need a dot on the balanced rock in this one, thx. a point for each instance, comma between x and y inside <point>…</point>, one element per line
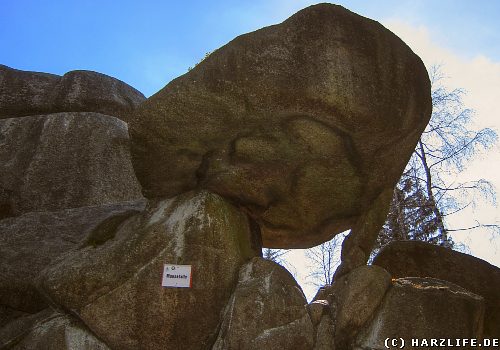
<point>420,259</point>
<point>424,309</point>
<point>302,124</point>
<point>113,283</point>
<point>266,311</point>
<point>64,160</point>
<point>30,93</point>
<point>31,242</point>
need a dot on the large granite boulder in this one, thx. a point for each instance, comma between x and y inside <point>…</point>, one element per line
<point>113,282</point>
<point>423,309</point>
<point>31,242</point>
<point>30,93</point>
<point>304,124</point>
<point>420,259</point>
<point>64,160</point>
<point>266,311</point>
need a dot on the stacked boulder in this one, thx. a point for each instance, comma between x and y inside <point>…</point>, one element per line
<point>284,137</point>
<point>65,171</point>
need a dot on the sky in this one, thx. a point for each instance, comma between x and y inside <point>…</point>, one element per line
<point>148,43</point>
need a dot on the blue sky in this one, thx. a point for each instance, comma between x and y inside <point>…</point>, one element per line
<point>148,43</point>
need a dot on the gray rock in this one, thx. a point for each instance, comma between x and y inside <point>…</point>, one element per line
<point>31,242</point>
<point>50,331</point>
<point>420,259</point>
<point>64,160</point>
<point>25,93</point>
<point>15,328</point>
<point>325,333</point>
<point>317,309</point>
<point>114,286</point>
<point>424,308</point>
<point>356,296</point>
<point>327,102</point>
<point>266,311</point>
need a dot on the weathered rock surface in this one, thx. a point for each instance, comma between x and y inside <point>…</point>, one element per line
<point>31,242</point>
<point>266,311</point>
<point>322,317</point>
<point>355,297</point>
<point>303,124</point>
<point>113,283</point>
<point>25,93</point>
<point>419,259</point>
<point>424,308</point>
<point>51,331</point>
<point>16,328</point>
<point>64,160</point>
<point>325,334</point>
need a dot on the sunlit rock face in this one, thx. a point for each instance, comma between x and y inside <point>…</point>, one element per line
<point>112,282</point>
<point>301,124</point>
<point>64,160</point>
<point>25,93</point>
<point>421,259</point>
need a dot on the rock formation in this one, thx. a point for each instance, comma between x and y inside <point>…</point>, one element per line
<point>266,311</point>
<point>306,125</point>
<point>64,160</point>
<point>25,93</point>
<point>113,282</point>
<point>419,259</point>
<point>285,136</point>
<point>424,308</point>
<point>49,330</point>
<point>31,242</point>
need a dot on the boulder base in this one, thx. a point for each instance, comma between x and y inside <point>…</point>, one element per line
<point>113,282</point>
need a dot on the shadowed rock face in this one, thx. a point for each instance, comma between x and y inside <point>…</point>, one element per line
<point>30,93</point>
<point>31,242</point>
<point>302,124</point>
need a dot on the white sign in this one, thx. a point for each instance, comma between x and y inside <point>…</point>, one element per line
<point>177,276</point>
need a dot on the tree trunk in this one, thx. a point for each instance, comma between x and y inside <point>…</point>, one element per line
<point>443,234</point>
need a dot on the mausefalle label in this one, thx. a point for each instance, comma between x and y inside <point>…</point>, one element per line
<point>177,276</point>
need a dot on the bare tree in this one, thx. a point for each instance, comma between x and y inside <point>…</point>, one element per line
<point>279,257</point>
<point>324,260</point>
<point>429,192</point>
<point>276,255</point>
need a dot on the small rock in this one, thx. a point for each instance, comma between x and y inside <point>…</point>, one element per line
<point>420,259</point>
<point>356,296</point>
<point>424,308</point>
<point>266,311</point>
<point>316,309</point>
